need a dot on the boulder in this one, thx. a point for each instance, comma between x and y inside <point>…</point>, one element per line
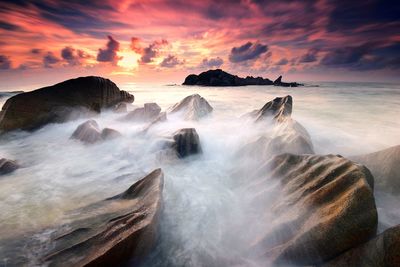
<point>324,207</point>
<point>192,107</point>
<point>278,82</point>
<point>7,166</point>
<point>112,232</point>
<point>120,108</point>
<point>383,250</point>
<point>385,166</point>
<point>186,142</point>
<point>109,133</point>
<point>149,112</point>
<point>280,109</point>
<point>87,132</point>
<point>57,103</point>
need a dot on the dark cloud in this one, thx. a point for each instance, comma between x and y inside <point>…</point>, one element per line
<point>212,63</point>
<point>36,51</point>
<point>310,56</point>
<point>5,63</point>
<point>170,61</point>
<point>109,54</point>
<point>248,51</point>
<point>151,51</point>
<point>9,26</point>
<point>283,61</point>
<point>50,59</point>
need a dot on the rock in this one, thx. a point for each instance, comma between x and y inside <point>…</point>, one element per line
<point>278,82</point>
<point>7,166</point>
<point>32,110</point>
<point>385,166</point>
<point>280,109</point>
<point>114,231</point>
<point>186,142</point>
<point>149,112</point>
<point>162,117</point>
<point>109,133</point>
<point>383,250</point>
<point>120,108</point>
<point>87,132</point>
<point>192,107</point>
<point>324,207</point>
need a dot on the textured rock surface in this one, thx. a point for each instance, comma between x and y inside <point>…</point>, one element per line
<point>383,250</point>
<point>7,166</point>
<point>325,206</point>
<point>31,110</point>
<point>280,109</point>
<point>87,132</point>
<point>114,231</point>
<point>149,112</point>
<point>385,166</point>
<point>186,142</point>
<point>192,107</point>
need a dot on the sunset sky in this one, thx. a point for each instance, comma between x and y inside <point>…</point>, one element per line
<point>43,42</point>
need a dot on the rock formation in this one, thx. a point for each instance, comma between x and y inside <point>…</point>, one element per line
<point>108,133</point>
<point>114,231</point>
<point>149,112</point>
<point>120,108</point>
<point>7,166</point>
<point>31,110</point>
<point>192,107</point>
<point>385,166</point>
<point>278,82</point>
<point>89,132</point>
<point>325,206</point>
<point>280,109</point>
<point>186,142</point>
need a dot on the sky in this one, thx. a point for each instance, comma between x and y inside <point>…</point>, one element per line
<point>157,41</point>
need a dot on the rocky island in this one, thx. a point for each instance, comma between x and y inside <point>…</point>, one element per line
<point>219,77</point>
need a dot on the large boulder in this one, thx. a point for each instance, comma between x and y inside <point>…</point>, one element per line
<point>56,103</point>
<point>385,166</point>
<point>383,250</point>
<point>324,207</point>
<point>192,107</point>
<point>114,231</point>
<point>280,109</point>
<point>89,133</point>
<point>149,112</point>
<point>7,166</point>
<point>186,142</point>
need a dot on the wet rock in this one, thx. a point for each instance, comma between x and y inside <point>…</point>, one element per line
<point>87,132</point>
<point>113,232</point>
<point>7,166</point>
<point>278,82</point>
<point>186,142</point>
<point>325,206</point>
<point>120,108</point>
<point>383,250</point>
<point>280,109</point>
<point>385,166</point>
<point>57,103</point>
<point>193,107</point>
<point>149,112</point>
<point>109,133</point>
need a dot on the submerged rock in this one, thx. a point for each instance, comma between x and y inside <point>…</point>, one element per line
<point>31,110</point>
<point>192,107</point>
<point>325,206</point>
<point>120,108</point>
<point>278,82</point>
<point>385,166</point>
<point>186,142</point>
<point>115,231</point>
<point>149,112</point>
<point>89,132</point>
<point>7,166</point>
<point>162,117</point>
<point>383,250</point>
<point>109,133</point>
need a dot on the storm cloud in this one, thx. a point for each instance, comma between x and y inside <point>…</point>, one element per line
<point>109,54</point>
<point>246,52</point>
<point>211,62</point>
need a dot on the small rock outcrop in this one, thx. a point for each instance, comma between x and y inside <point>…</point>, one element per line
<point>193,107</point>
<point>186,142</point>
<point>278,82</point>
<point>114,231</point>
<point>7,166</point>
<point>89,133</point>
<point>109,133</point>
<point>32,110</point>
<point>120,108</point>
<point>149,112</point>
<point>383,250</point>
<point>325,206</point>
<point>280,109</point>
<point>385,166</point>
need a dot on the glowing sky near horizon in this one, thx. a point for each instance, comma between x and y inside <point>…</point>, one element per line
<point>138,40</point>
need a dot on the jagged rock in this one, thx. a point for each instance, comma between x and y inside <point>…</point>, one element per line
<point>279,109</point>
<point>385,166</point>
<point>109,133</point>
<point>120,108</point>
<point>31,110</point>
<point>324,207</point>
<point>114,231</point>
<point>149,112</point>
<point>87,132</point>
<point>192,107</point>
<point>383,250</point>
<point>278,82</point>
<point>7,166</point>
<point>186,142</point>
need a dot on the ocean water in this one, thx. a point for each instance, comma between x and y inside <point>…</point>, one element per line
<point>59,175</point>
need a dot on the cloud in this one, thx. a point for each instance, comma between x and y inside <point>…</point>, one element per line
<point>246,52</point>
<point>283,61</point>
<point>109,54</point>
<point>36,51</point>
<point>345,55</point>
<point>9,26</point>
<point>170,61</point>
<point>5,63</point>
<point>136,46</point>
<point>50,59</point>
<point>211,63</point>
<point>310,56</point>
<point>151,51</point>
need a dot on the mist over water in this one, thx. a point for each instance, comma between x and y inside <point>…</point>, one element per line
<point>205,203</point>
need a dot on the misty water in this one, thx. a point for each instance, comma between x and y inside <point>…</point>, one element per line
<point>202,208</point>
